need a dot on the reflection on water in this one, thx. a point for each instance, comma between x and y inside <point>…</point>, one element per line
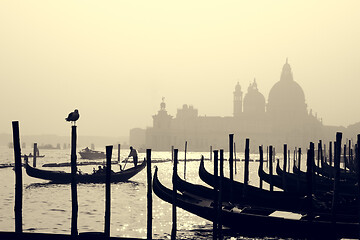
<point>47,206</point>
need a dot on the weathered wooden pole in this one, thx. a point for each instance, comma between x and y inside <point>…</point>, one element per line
<point>185,160</point>
<point>284,168</point>
<point>231,163</point>
<point>210,153</point>
<point>74,205</point>
<point>267,157</point>
<point>220,193</point>
<point>357,164</point>
<point>149,194</point>
<point>309,178</point>
<point>345,159</point>
<point>271,167</point>
<point>235,158</point>
<point>336,175</point>
<point>216,195</point>
<point>288,160</point>
<point>294,159</point>
<point>246,168</point>
<point>108,190</point>
<point>18,178</point>
<point>172,153</point>
<point>321,153</point>
<point>330,153</point>
<point>350,157</point>
<point>318,157</point>
<point>173,231</point>
<point>299,159</point>
<point>35,153</point>
<point>119,153</point>
<point>261,164</point>
<point>298,173</point>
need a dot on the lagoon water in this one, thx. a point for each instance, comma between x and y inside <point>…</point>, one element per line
<point>47,207</point>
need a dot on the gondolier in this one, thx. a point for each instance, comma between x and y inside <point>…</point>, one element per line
<point>133,153</point>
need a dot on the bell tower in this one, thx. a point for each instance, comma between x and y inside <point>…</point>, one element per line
<point>237,100</point>
<point>162,119</point>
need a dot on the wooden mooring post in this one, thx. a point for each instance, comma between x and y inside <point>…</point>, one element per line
<point>289,160</point>
<point>299,168</point>
<point>336,175</point>
<point>173,230</point>
<point>267,157</point>
<point>284,168</point>
<point>185,160</point>
<point>149,194</point>
<point>321,153</point>
<point>119,153</point>
<point>357,164</point>
<point>108,191</point>
<point>345,159</point>
<point>330,153</point>
<point>220,193</point>
<point>74,202</point>
<point>246,168</point>
<point>216,195</point>
<point>35,153</point>
<point>18,178</point>
<point>270,160</point>
<point>234,158</point>
<point>231,163</point>
<point>261,166</point>
<point>309,179</point>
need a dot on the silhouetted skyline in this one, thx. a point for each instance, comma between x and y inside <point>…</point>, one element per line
<point>115,61</point>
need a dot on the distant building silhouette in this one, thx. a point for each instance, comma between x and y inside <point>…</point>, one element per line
<point>285,118</point>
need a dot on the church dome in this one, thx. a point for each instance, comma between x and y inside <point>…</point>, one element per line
<point>254,101</point>
<point>286,96</point>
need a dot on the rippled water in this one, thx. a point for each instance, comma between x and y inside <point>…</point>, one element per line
<point>47,207</point>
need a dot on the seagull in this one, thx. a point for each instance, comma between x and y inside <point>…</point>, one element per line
<point>73,116</point>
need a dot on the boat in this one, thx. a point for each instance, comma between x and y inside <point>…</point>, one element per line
<point>96,177</point>
<point>320,171</point>
<point>328,171</point>
<point>30,156</point>
<point>293,201</point>
<point>320,184</point>
<point>87,153</point>
<point>256,225</point>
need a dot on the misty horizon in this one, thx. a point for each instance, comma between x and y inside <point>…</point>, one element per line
<point>115,61</point>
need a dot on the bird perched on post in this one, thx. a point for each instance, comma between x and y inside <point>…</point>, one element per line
<point>73,116</point>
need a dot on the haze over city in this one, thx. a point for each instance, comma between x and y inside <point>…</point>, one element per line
<point>115,60</point>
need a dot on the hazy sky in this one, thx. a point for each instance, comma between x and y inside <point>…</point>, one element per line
<point>115,60</point>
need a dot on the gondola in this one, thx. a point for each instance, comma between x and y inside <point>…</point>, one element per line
<point>268,201</point>
<point>328,171</point>
<point>238,187</point>
<point>287,201</point>
<point>97,177</point>
<point>257,225</point>
<point>320,184</point>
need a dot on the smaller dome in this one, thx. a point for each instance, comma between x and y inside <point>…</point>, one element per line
<point>254,101</point>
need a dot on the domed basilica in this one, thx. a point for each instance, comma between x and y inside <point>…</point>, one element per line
<point>283,119</point>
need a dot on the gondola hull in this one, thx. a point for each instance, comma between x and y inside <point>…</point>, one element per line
<point>63,177</point>
<point>254,224</point>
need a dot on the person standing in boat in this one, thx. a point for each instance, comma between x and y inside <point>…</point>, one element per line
<point>133,153</point>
